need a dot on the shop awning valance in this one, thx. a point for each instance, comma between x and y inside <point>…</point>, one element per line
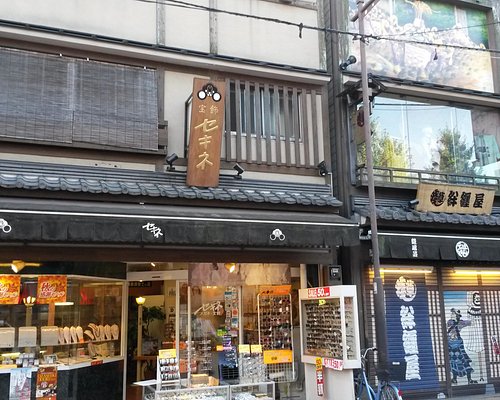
<point>420,246</point>
<point>72,222</point>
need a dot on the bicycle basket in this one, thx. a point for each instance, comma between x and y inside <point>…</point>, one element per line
<point>397,371</point>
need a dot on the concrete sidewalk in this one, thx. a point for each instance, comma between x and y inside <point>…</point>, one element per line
<point>472,397</point>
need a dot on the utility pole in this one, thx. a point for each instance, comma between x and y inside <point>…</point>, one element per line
<point>378,288</point>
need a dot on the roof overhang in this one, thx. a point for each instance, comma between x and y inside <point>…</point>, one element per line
<point>77,223</point>
<point>428,246</point>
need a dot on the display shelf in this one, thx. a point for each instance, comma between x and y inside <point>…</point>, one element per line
<point>276,332</point>
<point>329,326</point>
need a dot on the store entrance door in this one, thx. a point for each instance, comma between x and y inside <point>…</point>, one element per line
<point>152,319</point>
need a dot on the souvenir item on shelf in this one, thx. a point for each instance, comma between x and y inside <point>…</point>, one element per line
<point>115,331</point>
<point>61,335</point>
<point>79,333</point>
<point>95,331</point>
<point>102,335</point>
<point>49,335</point>
<point>107,332</point>
<point>67,334</point>
<point>27,336</point>
<point>89,334</point>
<point>72,331</point>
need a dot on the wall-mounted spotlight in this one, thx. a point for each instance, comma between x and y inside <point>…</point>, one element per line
<point>351,60</point>
<point>413,203</point>
<point>322,169</point>
<point>231,267</point>
<point>239,169</point>
<point>170,161</point>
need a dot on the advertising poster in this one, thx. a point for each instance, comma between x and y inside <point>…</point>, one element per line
<point>10,287</point>
<point>20,384</point>
<point>46,383</point>
<point>51,289</point>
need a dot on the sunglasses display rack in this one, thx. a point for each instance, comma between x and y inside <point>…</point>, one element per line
<point>167,369</point>
<point>275,332</point>
<point>329,325</point>
<point>251,365</point>
<point>202,353</point>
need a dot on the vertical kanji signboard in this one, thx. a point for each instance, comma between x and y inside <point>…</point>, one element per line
<point>207,118</point>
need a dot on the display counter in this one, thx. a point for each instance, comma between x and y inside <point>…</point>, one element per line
<point>68,325</point>
<point>246,391</point>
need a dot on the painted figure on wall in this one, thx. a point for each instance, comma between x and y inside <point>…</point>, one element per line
<point>460,362</point>
<point>475,342</point>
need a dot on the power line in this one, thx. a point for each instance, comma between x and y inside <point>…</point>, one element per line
<point>300,26</point>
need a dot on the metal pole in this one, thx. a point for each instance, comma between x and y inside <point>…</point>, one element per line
<point>378,289</point>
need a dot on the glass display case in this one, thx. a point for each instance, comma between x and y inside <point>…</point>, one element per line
<point>206,393</point>
<point>85,326</point>
<point>329,326</point>
<point>261,390</point>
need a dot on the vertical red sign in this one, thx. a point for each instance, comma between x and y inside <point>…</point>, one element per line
<point>320,385</point>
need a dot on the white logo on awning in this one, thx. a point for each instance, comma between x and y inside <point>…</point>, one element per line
<point>4,226</point>
<point>462,249</point>
<point>277,234</point>
<point>150,227</point>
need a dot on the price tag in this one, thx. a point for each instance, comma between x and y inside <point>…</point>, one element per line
<point>278,356</point>
<point>244,348</point>
<point>256,348</point>
<point>333,363</point>
<point>167,353</point>
<point>316,293</point>
<point>95,362</point>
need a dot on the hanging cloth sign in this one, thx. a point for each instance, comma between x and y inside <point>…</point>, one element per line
<point>10,288</point>
<point>51,289</point>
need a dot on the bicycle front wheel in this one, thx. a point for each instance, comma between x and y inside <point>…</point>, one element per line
<point>389,392</point>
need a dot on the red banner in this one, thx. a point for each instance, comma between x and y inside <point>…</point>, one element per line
<point>10,288</point>
<point>51,289</point>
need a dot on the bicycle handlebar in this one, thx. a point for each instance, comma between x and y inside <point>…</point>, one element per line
<point>374,349</point>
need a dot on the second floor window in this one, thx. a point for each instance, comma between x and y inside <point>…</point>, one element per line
<point>265,111</point>
<point>434,137</point>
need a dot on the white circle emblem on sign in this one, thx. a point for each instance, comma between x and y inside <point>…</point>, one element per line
<point>462,249</point>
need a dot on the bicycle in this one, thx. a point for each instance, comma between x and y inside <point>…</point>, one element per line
<point>385,389</point>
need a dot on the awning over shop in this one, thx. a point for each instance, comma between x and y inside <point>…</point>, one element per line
<point>42,221</point>
<point>420,246</point>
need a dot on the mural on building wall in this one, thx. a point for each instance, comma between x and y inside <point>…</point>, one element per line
<point>465,337</point>
<point>409,332</point>
<point>410,35</point>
